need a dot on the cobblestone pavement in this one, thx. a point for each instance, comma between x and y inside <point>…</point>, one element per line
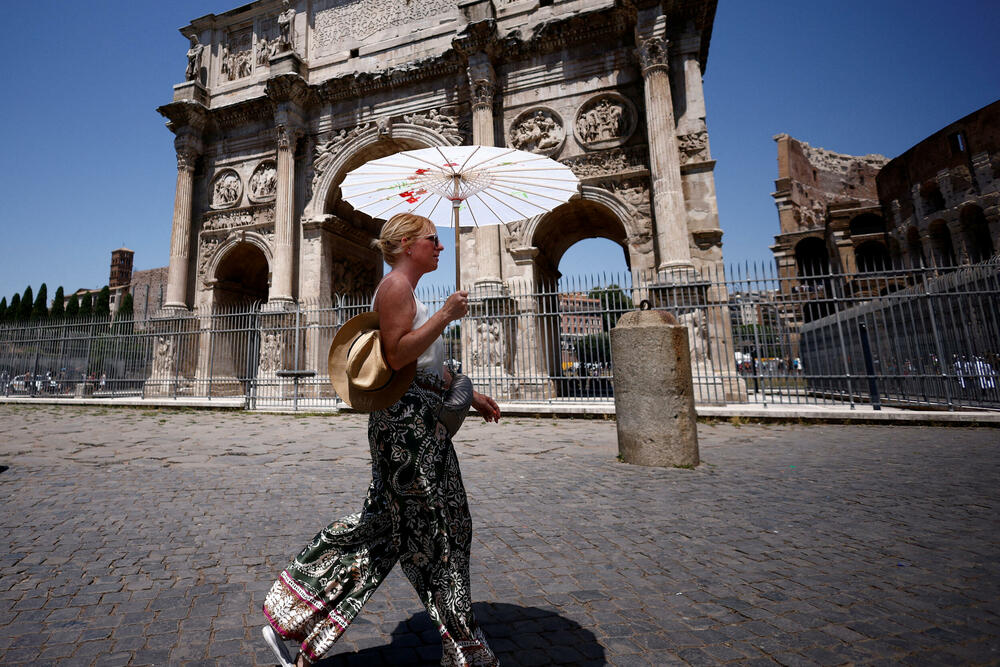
<point>150,537</point>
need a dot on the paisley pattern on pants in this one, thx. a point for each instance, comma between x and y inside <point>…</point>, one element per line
<point>415,513</point>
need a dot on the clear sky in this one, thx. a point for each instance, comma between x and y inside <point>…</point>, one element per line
<point>88,165</point>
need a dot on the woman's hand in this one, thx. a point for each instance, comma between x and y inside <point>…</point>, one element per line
<point>456,306</point>
<point>486,406</point>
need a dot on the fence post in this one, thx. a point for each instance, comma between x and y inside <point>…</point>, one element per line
<point>937,346</point>
<point>843,346</point>
<point>869,367</point>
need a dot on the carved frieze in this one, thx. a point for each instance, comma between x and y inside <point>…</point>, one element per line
<point>443,121</point>
<point>633,191</point>
<point>263,183</point>
<point>607,163</point>
<point>352,276</point>
<point>327,150</point>
<point>227,189</point>
<point>693,147</point>
<point>605,121</point>
<point>270,352</point>
<point>251,216</point>
<point>538,130</point>
<point>237,54</point>
<point>206,250</point>
<point>337,21</point>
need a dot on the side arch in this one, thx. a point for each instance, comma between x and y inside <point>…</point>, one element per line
<point>370,144</point>
<point>627,215</point>
<point>258,241</point>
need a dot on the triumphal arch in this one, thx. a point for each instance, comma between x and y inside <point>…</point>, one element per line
<point>282,99</point>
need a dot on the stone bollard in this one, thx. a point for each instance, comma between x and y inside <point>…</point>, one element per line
<point>654,397</point>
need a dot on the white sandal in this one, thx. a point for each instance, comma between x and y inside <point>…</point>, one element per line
<point>277,646</point>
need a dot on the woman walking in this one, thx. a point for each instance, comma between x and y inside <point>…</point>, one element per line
<point>416,510</point>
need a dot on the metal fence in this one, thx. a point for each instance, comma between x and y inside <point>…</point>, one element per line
<point>917,337</point>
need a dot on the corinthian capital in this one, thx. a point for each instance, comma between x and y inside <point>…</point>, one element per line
<point>653,52</point>
<point>188,148</point>
<point>287,135</point>
<point>482,81</point>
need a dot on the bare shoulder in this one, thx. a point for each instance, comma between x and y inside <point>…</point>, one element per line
<point>394,295</point>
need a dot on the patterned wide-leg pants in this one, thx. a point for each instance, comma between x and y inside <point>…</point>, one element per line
<point>415,513</point>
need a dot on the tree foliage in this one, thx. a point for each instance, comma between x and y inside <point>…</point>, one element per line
<point>102,306</point>
<point>73,306</point>
<point>58,310</point>
<point>614,303</point>
<point>594,348</point>
<point>87,305</point>
<point>40,311</point>
<point>27,303</point>
<point>3,310</point>
<point>14,310</point>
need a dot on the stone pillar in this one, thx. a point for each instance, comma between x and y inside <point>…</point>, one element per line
<point>188,149</point>
<point>654,395</point>
<point>693,119</point>
<point>670,214</point>
<point>482,82</point>
<point>282,273</point>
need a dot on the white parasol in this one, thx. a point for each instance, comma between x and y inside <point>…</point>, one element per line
<point>452,185</point>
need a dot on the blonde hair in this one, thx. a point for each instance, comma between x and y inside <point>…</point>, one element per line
<point>400,226</point>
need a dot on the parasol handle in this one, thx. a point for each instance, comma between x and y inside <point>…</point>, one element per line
<point>455,203</point>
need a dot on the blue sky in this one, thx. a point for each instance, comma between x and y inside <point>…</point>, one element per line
<point>88,165</point>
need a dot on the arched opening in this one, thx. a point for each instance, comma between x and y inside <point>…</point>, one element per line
<point>815,287</point>
<point>240,287</point>
<point>914,247</point>
<point>871,256</point>
<point>867,223</point>
<point>931,196</point>
<point>241,277</point>
<point>811,257</point>
<point>942,249</point>
<point>575,328</point>
<point>978,242</point>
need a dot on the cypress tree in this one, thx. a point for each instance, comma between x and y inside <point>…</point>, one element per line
<point>14,310</point>
<point>40,311</point>
<point>73,306</point>
<point>58,305</point>
<point>125,307</point>
<point>3,310</point>
<point>27,302</point>
<point>87,305</point>
<point>102,306</point>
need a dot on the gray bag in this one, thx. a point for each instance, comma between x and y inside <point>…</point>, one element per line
<point>457,401</point>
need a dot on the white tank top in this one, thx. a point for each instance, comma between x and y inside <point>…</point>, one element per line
<point>432,359</point>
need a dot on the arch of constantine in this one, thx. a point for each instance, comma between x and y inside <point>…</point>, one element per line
<point>282,99</point>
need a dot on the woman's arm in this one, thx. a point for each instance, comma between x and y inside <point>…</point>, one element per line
<point>402,345</point>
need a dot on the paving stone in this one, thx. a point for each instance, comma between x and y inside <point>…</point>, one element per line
<point>871,550</point>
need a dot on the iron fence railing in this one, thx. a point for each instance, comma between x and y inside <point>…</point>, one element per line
<point>915,337</point>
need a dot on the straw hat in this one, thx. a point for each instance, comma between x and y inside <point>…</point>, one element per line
<point>358,371</point>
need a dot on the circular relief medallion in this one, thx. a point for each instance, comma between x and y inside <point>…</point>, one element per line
<point>227,189</point>
<point>263,183</point>
<point>605,121</point>
<point>537,130</point>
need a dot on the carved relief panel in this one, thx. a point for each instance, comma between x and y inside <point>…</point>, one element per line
<point>237,54</point>
<point>227,189</point>
<point>605,121</point>
<point>263,183</point>
<point>537,130</point>
<point>694,147</point>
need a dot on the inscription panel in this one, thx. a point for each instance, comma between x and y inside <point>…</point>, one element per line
<point>353,21</point>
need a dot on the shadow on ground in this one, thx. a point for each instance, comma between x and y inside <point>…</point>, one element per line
<point>518,636</point>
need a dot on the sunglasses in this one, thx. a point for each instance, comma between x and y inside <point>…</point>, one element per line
<point>433,238</point>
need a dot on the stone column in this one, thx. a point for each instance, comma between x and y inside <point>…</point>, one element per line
<point>188,149</point>
<point>665,164</point>
<point>282,272</point>
<point>482,82</point>
<point>693,119</point>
